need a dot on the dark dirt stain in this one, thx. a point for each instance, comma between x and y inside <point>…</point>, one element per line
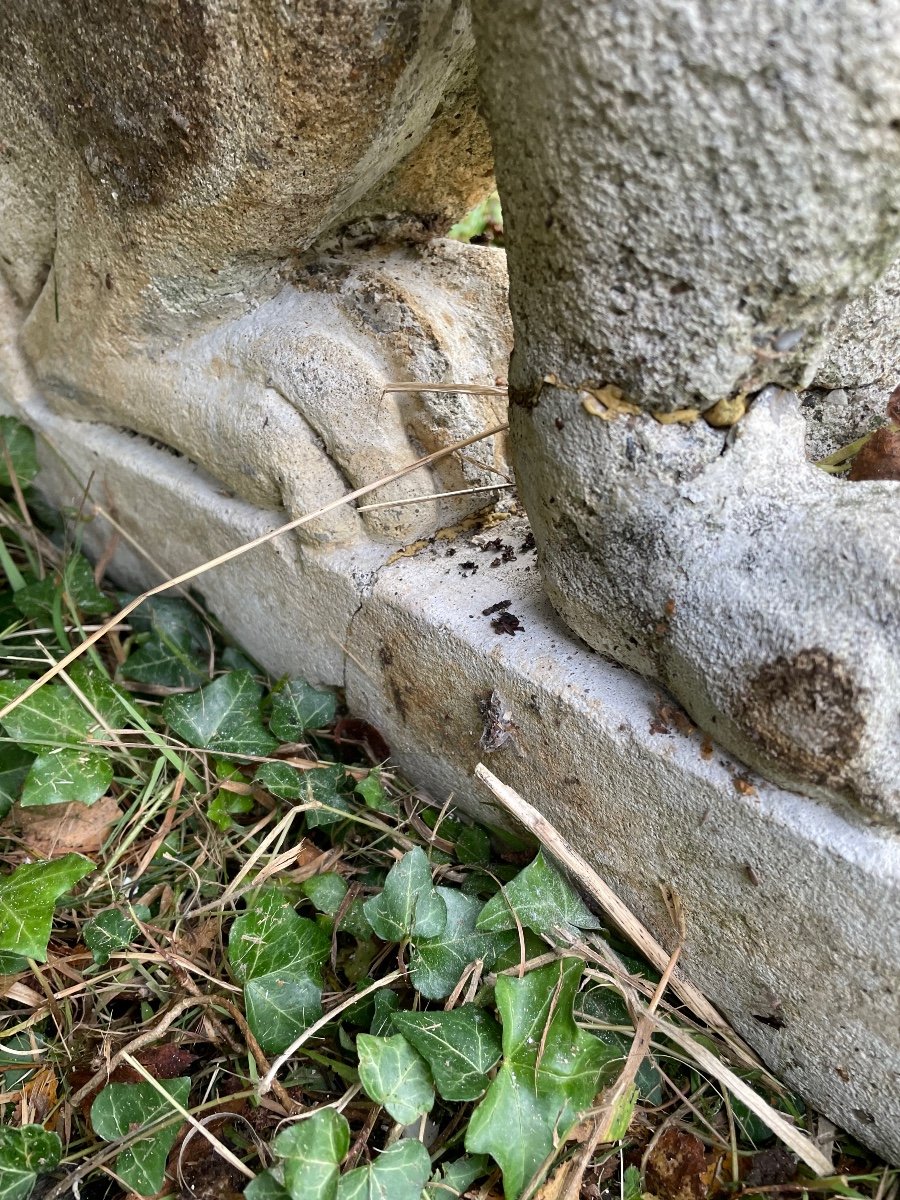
<point>804,710</point>
<point>121,84</point>
<point>771,1167</point>
<point>507,622</point>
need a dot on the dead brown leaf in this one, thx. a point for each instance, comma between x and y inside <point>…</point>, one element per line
<point>166,1060</point>
<point>194,940</point>
<point>53,830</point>
<point>677,1167</point>
<point>38,1099</point>
<point>879,457</point>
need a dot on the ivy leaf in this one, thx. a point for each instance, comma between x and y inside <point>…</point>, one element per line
<point>395,1075</point>
<point>225,805</point>
<point>549,1075</point>
<point>384,1006</point>
<point>280,1006</point>
<point>12,964</point>
<point>473,845</point>
<point>14,764</point>
<point>52,716</point>
<point>25,1153</point>
<point>266,1187</point>
<point>27,899</point>
<point>459,1046</point>
<point>436,963</point>
<point>65,775</point>
<point>110,930</point>
<point>76,579</point>
<point>100,694</point>
<point>313,1151</point>
<point>174,648</point>
<point>541,899</point>
<point>278,956</point>
<point>398,1174</point>
<point>232,659</point>
<point>408,906</point>
<point>297,707</point>
<point>19,442</point>
<point>604,1006</point>
<point>371,789</point>
<point>454,1178</point>
<point>326,891</point>
<point>319,785</point>
<point>224,715</point>
<point>272,937</point>
<point>123,1107</point>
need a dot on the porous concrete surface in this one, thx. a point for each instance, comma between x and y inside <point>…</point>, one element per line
<point>793,910</point>
<point>761,591</point>
<point>700,200</point>
<point>835,417</point>
<point>695,189</point>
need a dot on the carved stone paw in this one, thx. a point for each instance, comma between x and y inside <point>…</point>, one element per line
<point>764,593</point>
<point>285,404</point>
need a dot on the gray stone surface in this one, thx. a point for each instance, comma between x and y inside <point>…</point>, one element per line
<point>763,592</point>
<point>793,912</point>
<point>702,202</point>
<point>283,404</point>
<point>165,173</point>
<point>693,191</point>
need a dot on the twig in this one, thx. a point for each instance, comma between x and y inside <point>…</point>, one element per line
<point>469,389</point>
<point>487,487</point>
<point>618,1093</point>
<point>149,1036</point>
<point>793,1138</point>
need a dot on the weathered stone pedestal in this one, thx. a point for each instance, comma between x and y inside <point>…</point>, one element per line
<point>793,912</point>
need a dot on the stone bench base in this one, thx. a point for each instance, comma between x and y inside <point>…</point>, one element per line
<point>793,913</point>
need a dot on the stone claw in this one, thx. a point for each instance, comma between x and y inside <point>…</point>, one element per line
<point>763,592</point>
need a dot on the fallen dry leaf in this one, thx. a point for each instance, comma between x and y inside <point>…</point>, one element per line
<point>677,1168</point>
<point>38,1100</point>
<point>57,829</point>
<point>879,457</point>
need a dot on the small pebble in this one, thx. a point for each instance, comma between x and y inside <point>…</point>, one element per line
<point>788,339</point>
<point>837,398</point>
